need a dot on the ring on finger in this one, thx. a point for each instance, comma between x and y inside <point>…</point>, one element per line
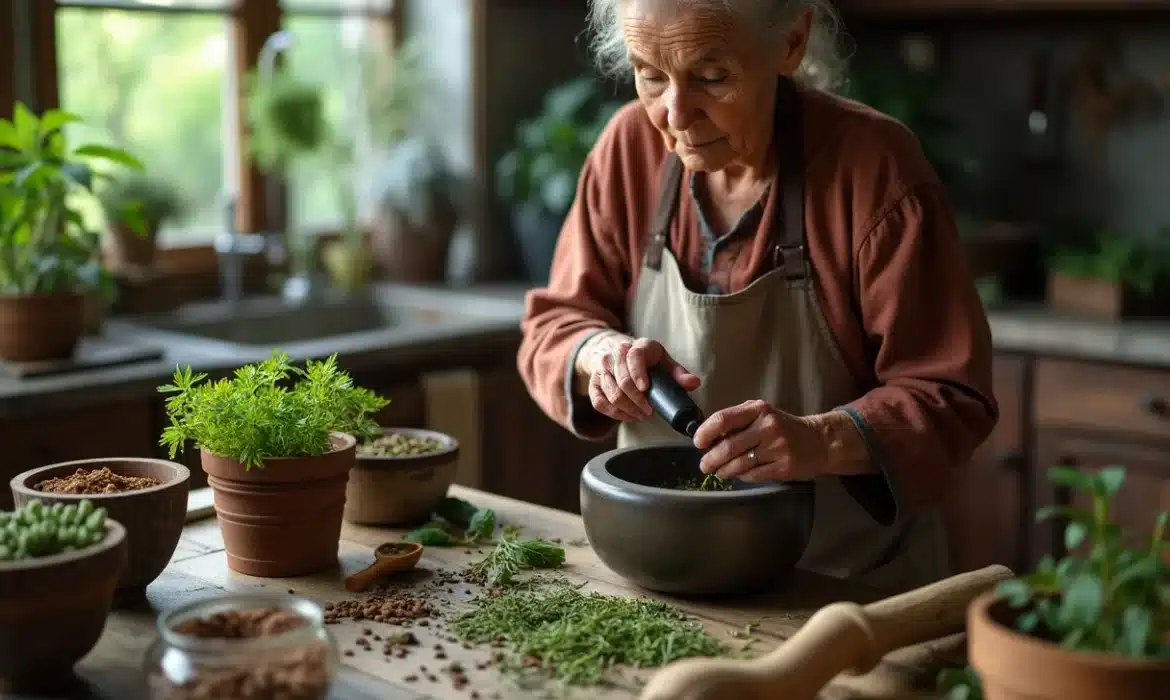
<point>752,457</point>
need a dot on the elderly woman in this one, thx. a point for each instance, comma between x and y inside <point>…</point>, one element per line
<point>791,258</point>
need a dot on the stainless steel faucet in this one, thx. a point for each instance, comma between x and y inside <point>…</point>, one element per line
<point>232,247</point>
<point>299,288</point>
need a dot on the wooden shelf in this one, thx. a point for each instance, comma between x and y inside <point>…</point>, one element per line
<point>959,9</point>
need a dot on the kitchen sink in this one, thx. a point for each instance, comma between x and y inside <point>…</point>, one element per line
<point>268,322</point>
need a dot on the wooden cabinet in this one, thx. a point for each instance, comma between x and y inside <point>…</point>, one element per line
<point>117,429</point>
<point>1093,415</point>
<point>986,504</point>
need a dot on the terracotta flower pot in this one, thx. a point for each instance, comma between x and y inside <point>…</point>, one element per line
<point>153,517</point>
<point>38,327</point>
<point>1014,666</point>
<point>125,248</point>
<point>283,519</point>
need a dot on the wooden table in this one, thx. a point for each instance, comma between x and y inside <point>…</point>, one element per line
<point>199,569</point>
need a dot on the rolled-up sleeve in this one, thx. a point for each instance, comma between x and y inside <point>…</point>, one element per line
<point>585,295</point>
<point>931,348</point>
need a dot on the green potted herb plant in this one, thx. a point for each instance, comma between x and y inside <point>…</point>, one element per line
<point>538,177</point>
<point>1092,625</point>
<point>50,258</point>
<point>277,443</point>
<point>1111,276</point>
<point>136,207</point>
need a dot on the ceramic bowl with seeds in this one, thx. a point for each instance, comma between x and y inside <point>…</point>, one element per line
<point>401,476</point>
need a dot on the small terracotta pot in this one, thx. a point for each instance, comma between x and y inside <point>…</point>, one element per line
<point>53,610</point>
<point>283,519</point>
<point>1014,666</point>
<point>396,490</point>
<point>153,517</point>
<point>38,327</point>
<point>125,248</point>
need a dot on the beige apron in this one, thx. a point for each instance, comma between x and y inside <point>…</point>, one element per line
<point>770,341</point>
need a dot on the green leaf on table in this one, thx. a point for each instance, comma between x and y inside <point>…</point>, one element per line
<point>456,511</point>
<point>482,525</point>
<point>432,537</point>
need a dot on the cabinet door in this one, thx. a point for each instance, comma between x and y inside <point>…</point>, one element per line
<point>118,429</point>
<point>1146,491</point>
<point>984,510</point>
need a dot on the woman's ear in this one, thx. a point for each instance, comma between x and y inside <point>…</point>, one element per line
<point>797,42</point>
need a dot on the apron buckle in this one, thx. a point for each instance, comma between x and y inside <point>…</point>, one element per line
<point>789,258</point>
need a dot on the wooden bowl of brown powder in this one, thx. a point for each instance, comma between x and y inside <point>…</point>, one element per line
<point>147,496</point>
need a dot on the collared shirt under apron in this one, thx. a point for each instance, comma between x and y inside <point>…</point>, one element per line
<point>769,341</point>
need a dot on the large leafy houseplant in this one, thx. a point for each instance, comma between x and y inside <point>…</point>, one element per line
<point>1111,599</point>
<point>46,246</point>
<point>538,176</point>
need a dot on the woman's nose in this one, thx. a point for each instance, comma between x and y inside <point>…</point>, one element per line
<point>679,111</point>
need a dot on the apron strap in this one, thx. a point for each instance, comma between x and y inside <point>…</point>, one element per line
<point>790,255</point>
<point>667,202</point>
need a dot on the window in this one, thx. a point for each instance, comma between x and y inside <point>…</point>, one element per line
<point>331,51</point>
<point>161,78</point>
<point>155,84</point>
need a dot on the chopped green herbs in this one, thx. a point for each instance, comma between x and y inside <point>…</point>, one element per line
<point>578,637</point>
<point>710,482</point>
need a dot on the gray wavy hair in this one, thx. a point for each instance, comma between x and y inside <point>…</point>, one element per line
<point>824,62</point>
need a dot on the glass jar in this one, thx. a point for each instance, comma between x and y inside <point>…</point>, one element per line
<point>242,647</point>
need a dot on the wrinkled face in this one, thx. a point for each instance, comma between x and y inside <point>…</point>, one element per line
<point>707,83</point>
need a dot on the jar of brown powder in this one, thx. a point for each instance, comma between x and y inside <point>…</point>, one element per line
<point>243,647</point>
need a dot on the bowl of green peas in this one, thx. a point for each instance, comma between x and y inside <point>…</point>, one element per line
<point>59,566</point>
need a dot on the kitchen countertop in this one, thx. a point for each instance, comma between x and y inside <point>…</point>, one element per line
<point>198,569</point>
<point>1018,328</point>
<point>393,346</point>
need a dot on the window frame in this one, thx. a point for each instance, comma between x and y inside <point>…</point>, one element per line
<point>251,22</point>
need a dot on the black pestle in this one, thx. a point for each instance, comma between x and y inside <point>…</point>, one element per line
<point>672,403</point>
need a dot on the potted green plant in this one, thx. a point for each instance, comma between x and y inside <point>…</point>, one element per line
<point>136,207</point>
<point>419,200</point>
<point>50,258</point>
<point>1112,276</point>
<point>277,443</point>
<point>538,177</point>
<point>1092,625</point>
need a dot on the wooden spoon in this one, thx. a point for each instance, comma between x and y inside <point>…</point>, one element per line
<point>388,558</point>
<point>841,637</point>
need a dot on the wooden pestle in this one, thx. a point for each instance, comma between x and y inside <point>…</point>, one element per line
<point>839,638</point>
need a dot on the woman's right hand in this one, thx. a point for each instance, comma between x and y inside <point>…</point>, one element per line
<point>618,377</point>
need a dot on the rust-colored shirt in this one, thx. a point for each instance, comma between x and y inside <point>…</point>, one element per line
<point>888,268</point>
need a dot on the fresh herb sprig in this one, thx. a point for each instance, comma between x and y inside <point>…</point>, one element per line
<point>255,414</point>
<point>709,482</point>
<point>579,637</point>
<point>1114,599</point>
<point>510,556</point>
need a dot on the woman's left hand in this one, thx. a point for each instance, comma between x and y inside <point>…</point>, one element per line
<point>755,442</point>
